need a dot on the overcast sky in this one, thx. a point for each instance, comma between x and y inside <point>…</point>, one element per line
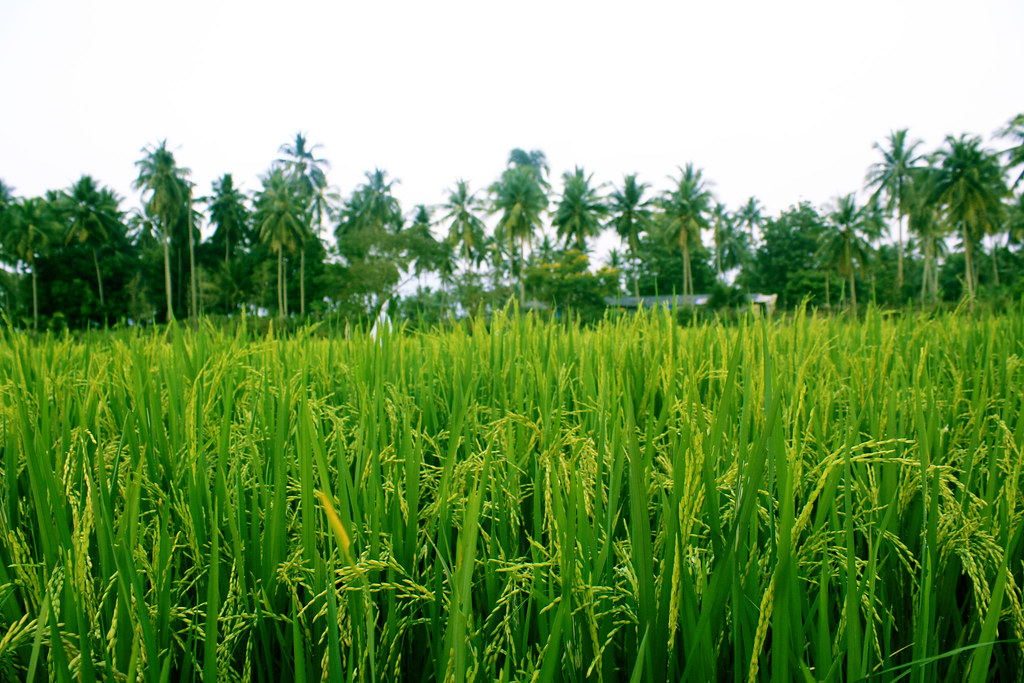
<point>782,100</point>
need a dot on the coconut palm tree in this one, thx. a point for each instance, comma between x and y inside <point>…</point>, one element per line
<point>685,210</point>
<point>535,161</point>
<point>750,217</point>
<point>29,226</point>
<point>166,196</point>
<point>580,210</point>
<point>520,199</point>
<point>465,227</point>
<point>1014,130</point>
<point>848,243</point>
<point>228,213</point>
<point>630,215</point>
<point>93,217</point>
<point>892,178</point>
<point>969,186</point>
<point>309,173</point>
<point>280,221</point>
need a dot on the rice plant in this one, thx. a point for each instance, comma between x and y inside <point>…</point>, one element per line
<point>512,499</point>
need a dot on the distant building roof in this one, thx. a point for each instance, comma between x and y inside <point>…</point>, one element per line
<point>767,300</point>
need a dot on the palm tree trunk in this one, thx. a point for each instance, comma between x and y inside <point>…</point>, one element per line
<point>192,262</point>
<point>995,265</point>
<point>99,278</point>
<point>969,271</point>
<point>687,284</point>
<point>924,272</point>
<point>167,278</point>
<point>522,281</point>
<point>302,284</point>
<point>280,284</point>
<point>853,292</point>
<point>35,295</point>
<point>899,249</point>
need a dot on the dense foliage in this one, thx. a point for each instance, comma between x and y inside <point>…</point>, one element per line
<point>931,228</point>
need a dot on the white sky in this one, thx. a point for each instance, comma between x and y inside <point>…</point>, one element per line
<point>782,100</point>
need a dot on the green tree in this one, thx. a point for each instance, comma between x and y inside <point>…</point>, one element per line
<point>891,178</point>
<point>520,199</point>
<point>370,242</point>
<point>533,161</point>
<point>93,217</point>
<point>309,173</point>
<point>580,210</point>
<point>970,187</point>
<point>166,196</point>
<point>685,210</point>
<point>630,216</point>
<point>228,213</point>
<point>787,263</point>
<point>280,222</point>
<point>29,225</point>
<point>465,227</point>
<point>749,217</point>
<point>1014,130</point>
<point>847,242</point>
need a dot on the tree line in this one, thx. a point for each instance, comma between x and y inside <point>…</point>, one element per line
<point>296,247</point>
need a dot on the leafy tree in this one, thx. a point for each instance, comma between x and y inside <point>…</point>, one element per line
<point>165,183</point>
<point>630,216</point>
<point>580,210</point>
<point>309,173</point>
<point>280,223</point>
<point>370,242</point>
<point>749,217</point>
<point>788,263</point>
<point>847,242</point>
<point>925,222</point>
<point>520,199</point>
<point>567,284</point>
<point>1014,130</point>
<point>93,217</point>
<point>465,227</point>
<point>228,213</point>
<point>685,211</point>
<point>29,226</point>
<point>731,246</point>
<point>891,178</point>
<point>969,185</point>
<point>533,161</point>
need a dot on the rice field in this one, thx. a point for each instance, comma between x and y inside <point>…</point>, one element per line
<point>809,499</point>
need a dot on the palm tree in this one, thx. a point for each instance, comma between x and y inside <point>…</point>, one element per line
<point>722,223</point>
<point>732,245</point>
<point>535,161</point>
<point>892,177</point>
<point>520,199</point>
<point>29,226</point>
<point>228,213</point>
<point>969,185</point>
<point>93,217</point>
<point>750,216</point>
<point>926,222</point>
<point>685,211</point>
<point>280,217</point>
<point>630,215</point>
<point>466,229</point>
<point>373,206</point>
<point>847,244</point>
<point>1015,155</point>
<point>168,197</point>
<point>309,173</point>
<point>580,210</point>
